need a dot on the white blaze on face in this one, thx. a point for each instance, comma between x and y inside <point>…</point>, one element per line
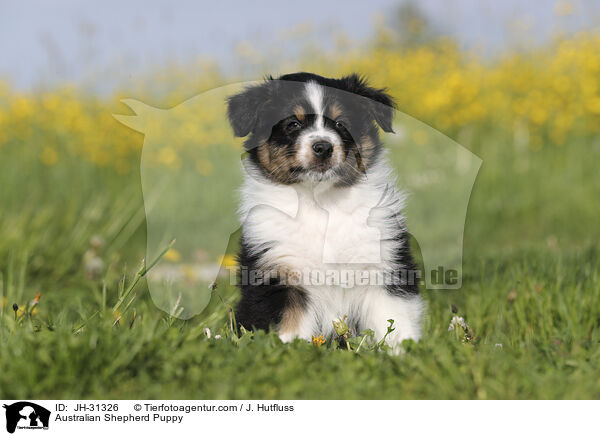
<point>314,94</point>
<point>318,132</point>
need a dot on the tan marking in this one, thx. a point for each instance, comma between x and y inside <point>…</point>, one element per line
<point>364,153</point>
<point>299,112</point>
<point>292,314</point>
<point>277,162</point>
<point>264,156</point>
<point>367,149</point>
<point>335,111</point>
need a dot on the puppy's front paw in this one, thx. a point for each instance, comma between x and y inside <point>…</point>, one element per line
<point>287,337</point>
<point>395,337</point>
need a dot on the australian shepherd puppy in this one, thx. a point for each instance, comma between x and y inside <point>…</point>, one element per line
<point>323,233</point>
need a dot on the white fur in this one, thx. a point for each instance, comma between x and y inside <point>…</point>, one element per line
<point>314,94</point>
<point>320,227</point>
<point>318,132</point>
<point>310,136</point>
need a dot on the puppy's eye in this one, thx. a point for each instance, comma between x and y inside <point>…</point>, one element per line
<point>339,124</point>
<point>293,126</point>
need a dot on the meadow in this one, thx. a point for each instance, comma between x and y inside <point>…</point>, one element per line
<point>77,321</point>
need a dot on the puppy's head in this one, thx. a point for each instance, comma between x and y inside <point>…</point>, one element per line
<point>304,127</point>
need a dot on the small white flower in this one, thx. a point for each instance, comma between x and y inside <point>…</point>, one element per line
<point>217,336</point>
<point>207,332</point>
<point>498,345</point>
<point>457,321</point>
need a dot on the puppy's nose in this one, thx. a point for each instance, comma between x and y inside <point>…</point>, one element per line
<point>322,149</point>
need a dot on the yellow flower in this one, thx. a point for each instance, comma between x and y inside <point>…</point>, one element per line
<point>22,107</point>
<point>593,105</point>
<point>318,340</point>
<point>172,255</point>
<point>168,157</point>
<point>227,260</point>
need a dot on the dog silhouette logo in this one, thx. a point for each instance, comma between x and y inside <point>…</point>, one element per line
<point>26,415</point>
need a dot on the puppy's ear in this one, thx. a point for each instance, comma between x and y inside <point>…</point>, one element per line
<point>243,108</point>
<point>381,104</point>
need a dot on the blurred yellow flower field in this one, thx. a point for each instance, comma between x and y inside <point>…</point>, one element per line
<point>552,94</point>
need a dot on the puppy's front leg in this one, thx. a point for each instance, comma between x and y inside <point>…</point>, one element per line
<point>380,306</point>
<point>296,321</point>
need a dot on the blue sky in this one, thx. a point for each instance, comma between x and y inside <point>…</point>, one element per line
<point>50,42</point>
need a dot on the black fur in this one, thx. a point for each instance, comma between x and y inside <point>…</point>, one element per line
<point>411,274</point>
<point>262,305</point>
<point>379,103</point>
<point>245,108</point>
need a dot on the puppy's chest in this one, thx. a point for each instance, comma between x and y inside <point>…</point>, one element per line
<point>319,235</point>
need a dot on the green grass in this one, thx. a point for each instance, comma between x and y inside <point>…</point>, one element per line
<point>531,284</point>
